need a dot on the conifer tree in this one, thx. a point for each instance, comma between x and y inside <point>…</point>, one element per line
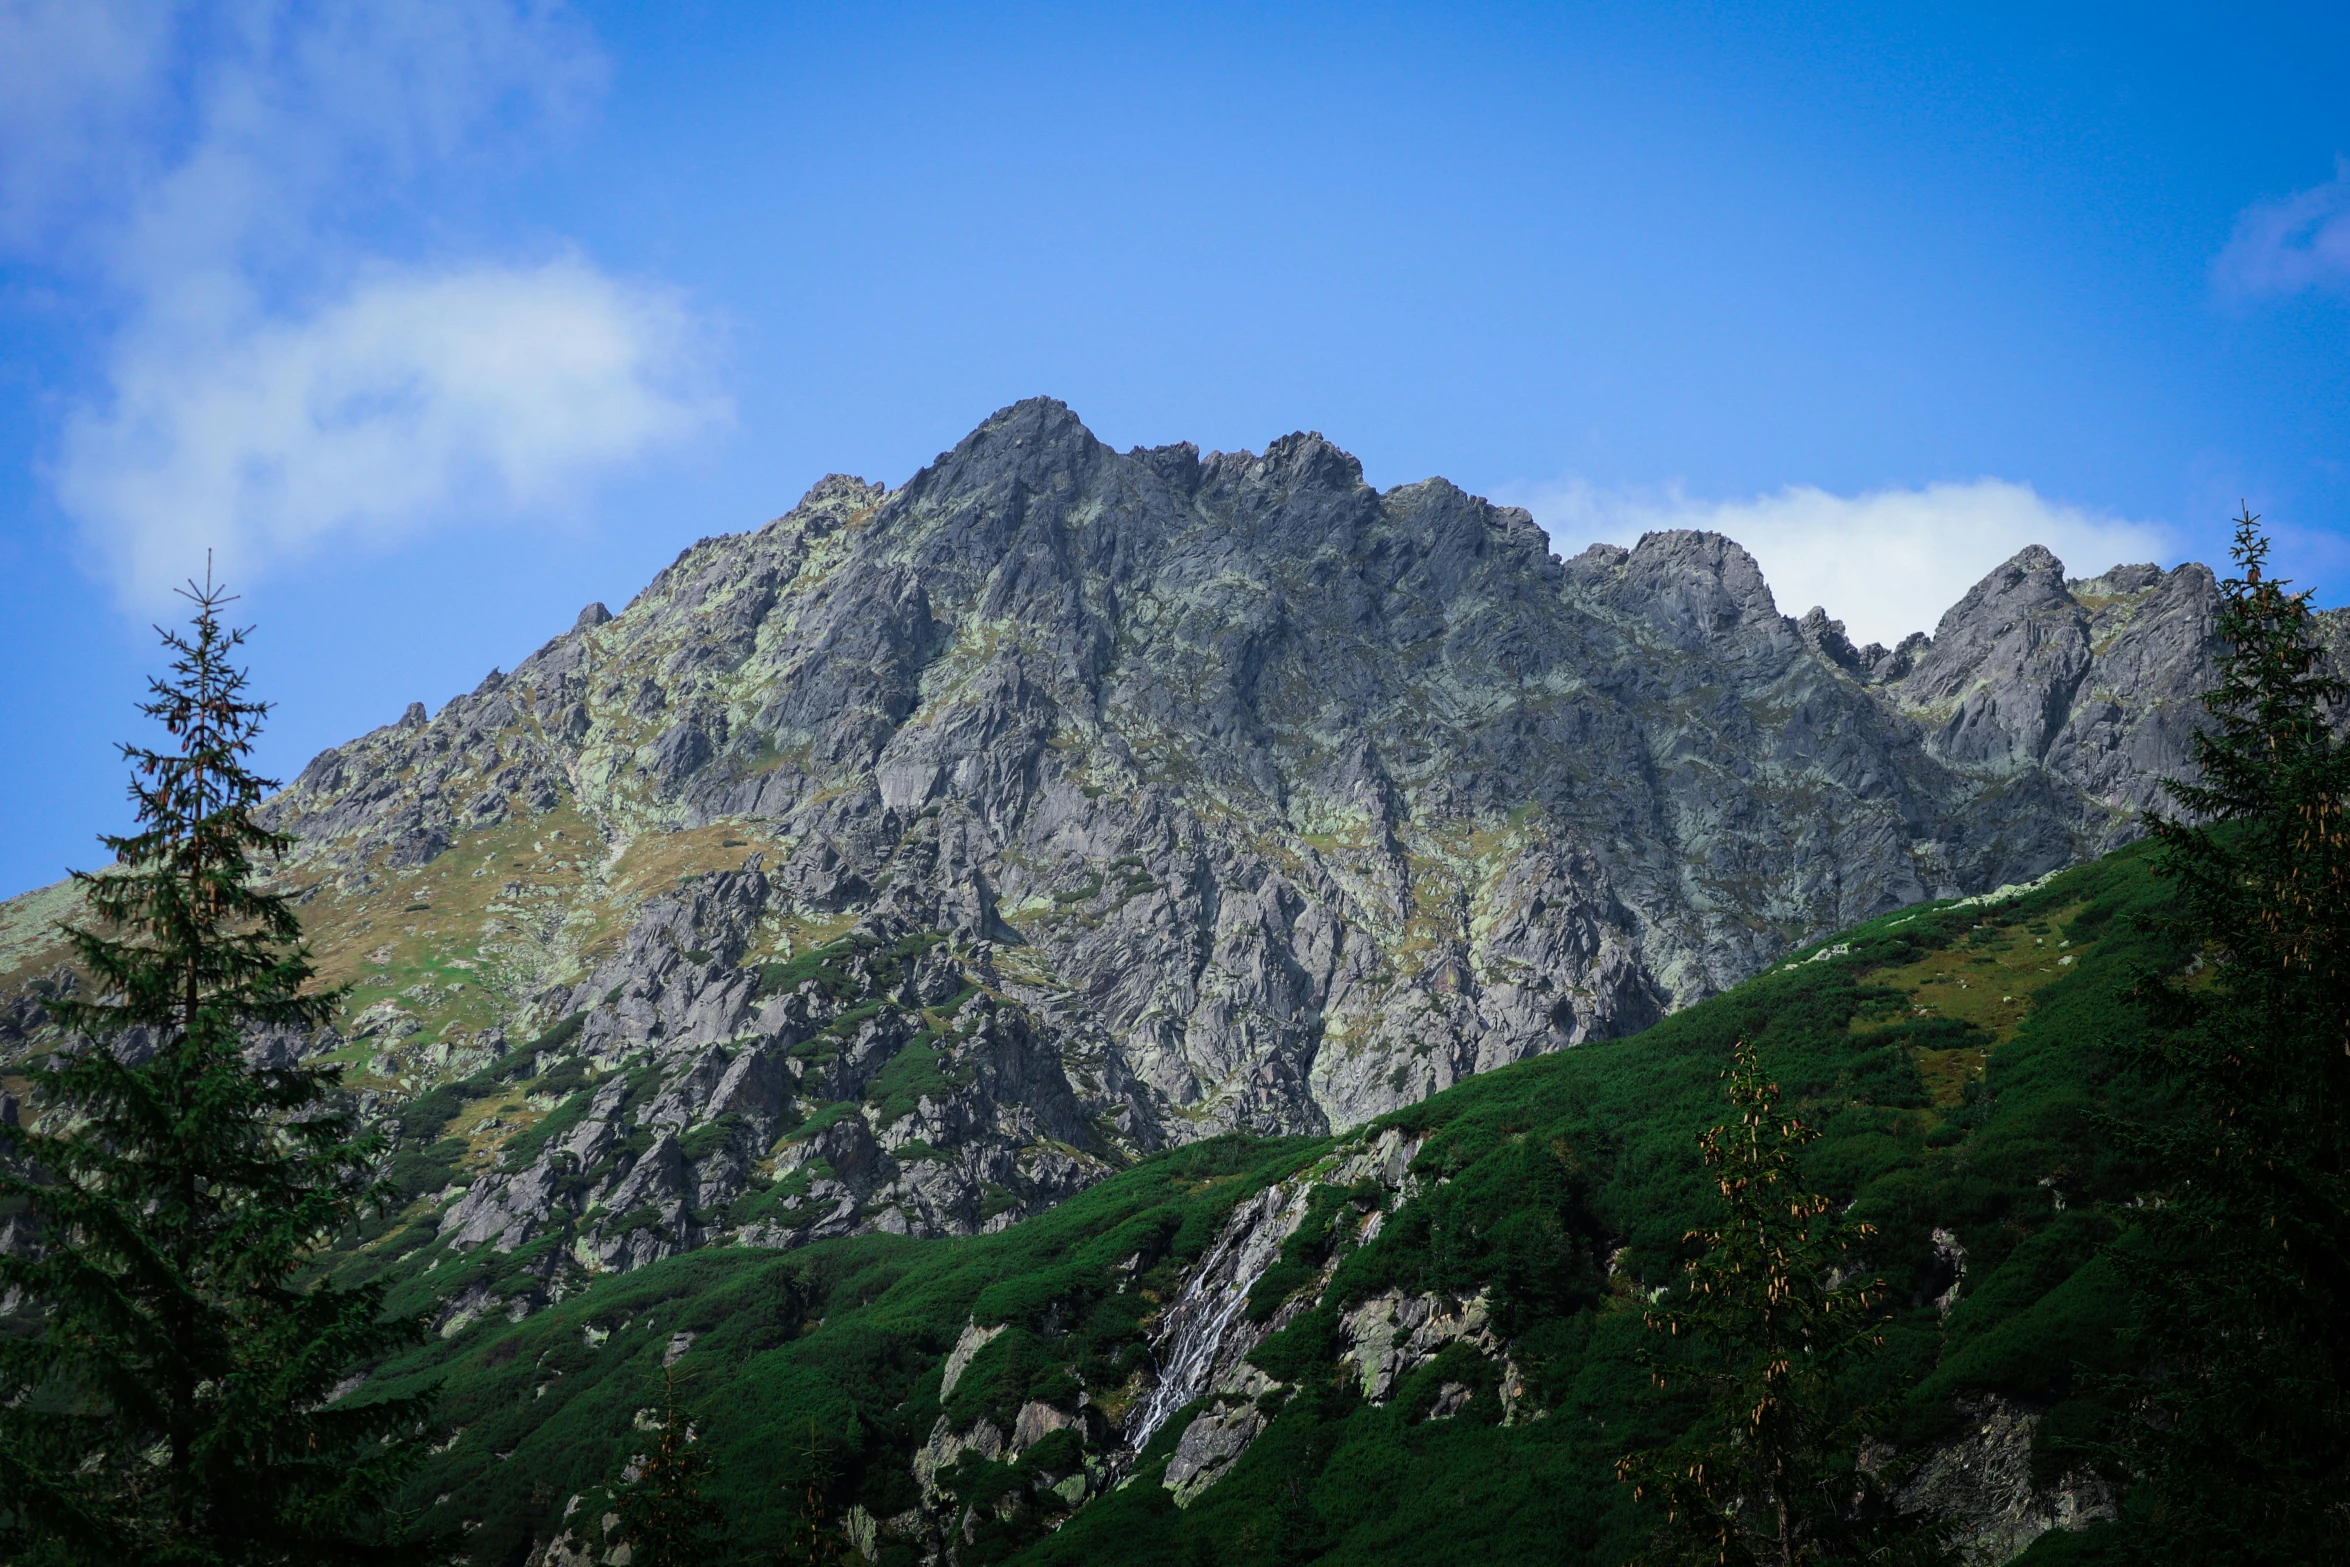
<point>2242,1269</point>
<point>171,1398</point>
<point>664,1519</point>
<point>815,1541</point>
<point>1765,1321</point>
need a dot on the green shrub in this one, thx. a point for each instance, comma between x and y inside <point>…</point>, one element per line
<point>826,965</point>
<point>908,1077</point>
<point>706,1139</point>
<point>821,1117</point>
<point>569,1075</point>
<point>419,1172</point>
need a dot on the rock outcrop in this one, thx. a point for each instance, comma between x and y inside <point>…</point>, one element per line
<point>1980,1482</point>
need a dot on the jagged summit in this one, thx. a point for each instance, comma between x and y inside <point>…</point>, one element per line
<point>947,845</point>
<point>1243,645</point>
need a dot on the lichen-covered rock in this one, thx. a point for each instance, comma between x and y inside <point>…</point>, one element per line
<point>946,1446</point>
<point>1980,1483</point>
<point>974,1338</point>
<point>1210,1445</point>
<point>1392,1334</point>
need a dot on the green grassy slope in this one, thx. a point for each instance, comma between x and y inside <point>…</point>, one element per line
<point>1958,1060</point>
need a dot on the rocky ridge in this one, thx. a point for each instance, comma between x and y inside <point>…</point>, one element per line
<point>913,860</point>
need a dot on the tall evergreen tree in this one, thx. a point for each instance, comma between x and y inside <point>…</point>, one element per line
<point>1769,1316</point>
<point>2243,1267</point>
<point>662,1516</point>
<point>171,1398</point>
<point>815,1538</point>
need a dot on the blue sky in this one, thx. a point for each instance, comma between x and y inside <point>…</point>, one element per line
<point>437,319</point>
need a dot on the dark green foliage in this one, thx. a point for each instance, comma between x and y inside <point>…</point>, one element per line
<point>560,1035</point>
<point>423,1118</point>
<point>821,1117</point>
<point>702,1141</point>
<point>826,965</point>
<point>869,1376</point>
<point>815,1536</point>
<point>907,948</point>
<point>523,1149</point>
<point>846,1025</point>
<point>1335,1479</point>
<point>1017,1365</point>
<point>662,1515</point>
<point>565,1077</point>
<point>2243,1271</point>
<point>170,1397</point>
<point>1887,1075</point>
<point>1301,1255</point>
<point>419,1172</point>
<point>1769,1322</point>
<point>907,1077</point>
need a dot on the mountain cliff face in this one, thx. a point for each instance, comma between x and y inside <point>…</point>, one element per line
<point>914,860</point>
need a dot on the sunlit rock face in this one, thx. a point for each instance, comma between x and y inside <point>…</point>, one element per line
<point>1153,794</point>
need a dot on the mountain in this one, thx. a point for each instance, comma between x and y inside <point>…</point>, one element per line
<point>1209,860</point>
<point>1421,1341</point>
<point>917,859</point>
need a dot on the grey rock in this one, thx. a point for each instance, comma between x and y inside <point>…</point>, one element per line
<point>1209,1446</point>
<point>1999,679</point>
<point>1392,1334</point>
<point>946,1446</point>
<point>1980,1483</point>
<point>1038,1420</point>
<point>974,1339</point>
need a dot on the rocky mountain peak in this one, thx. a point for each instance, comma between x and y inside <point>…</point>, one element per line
<point>914,859</point>
<point>1700,589</point>
<point>2118,581</point>
<point>1305,460</point>
<point>2098,679</point>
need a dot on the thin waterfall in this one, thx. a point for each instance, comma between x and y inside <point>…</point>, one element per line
<point>1193,1332</point>
<point>1204,1334</point>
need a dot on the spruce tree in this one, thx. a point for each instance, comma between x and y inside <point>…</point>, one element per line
<point>170,1396</point>
<point>663,1517</point>
<point>2242,1268</point>
<point>1768,1317</point>
<point>815,1540</point>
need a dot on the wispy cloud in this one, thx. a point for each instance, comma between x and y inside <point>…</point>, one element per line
<point>2293,243</point>
<point>273,383</point>
<point>509,386</point>
<point>1886,563</point>
<point>78,89</point>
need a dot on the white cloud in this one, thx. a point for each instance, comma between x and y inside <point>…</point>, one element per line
<point>201,173</point>
<point>77,82</point>
<point>1886,563</point>
<point>2291,243</point>
<point>416,395</point>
